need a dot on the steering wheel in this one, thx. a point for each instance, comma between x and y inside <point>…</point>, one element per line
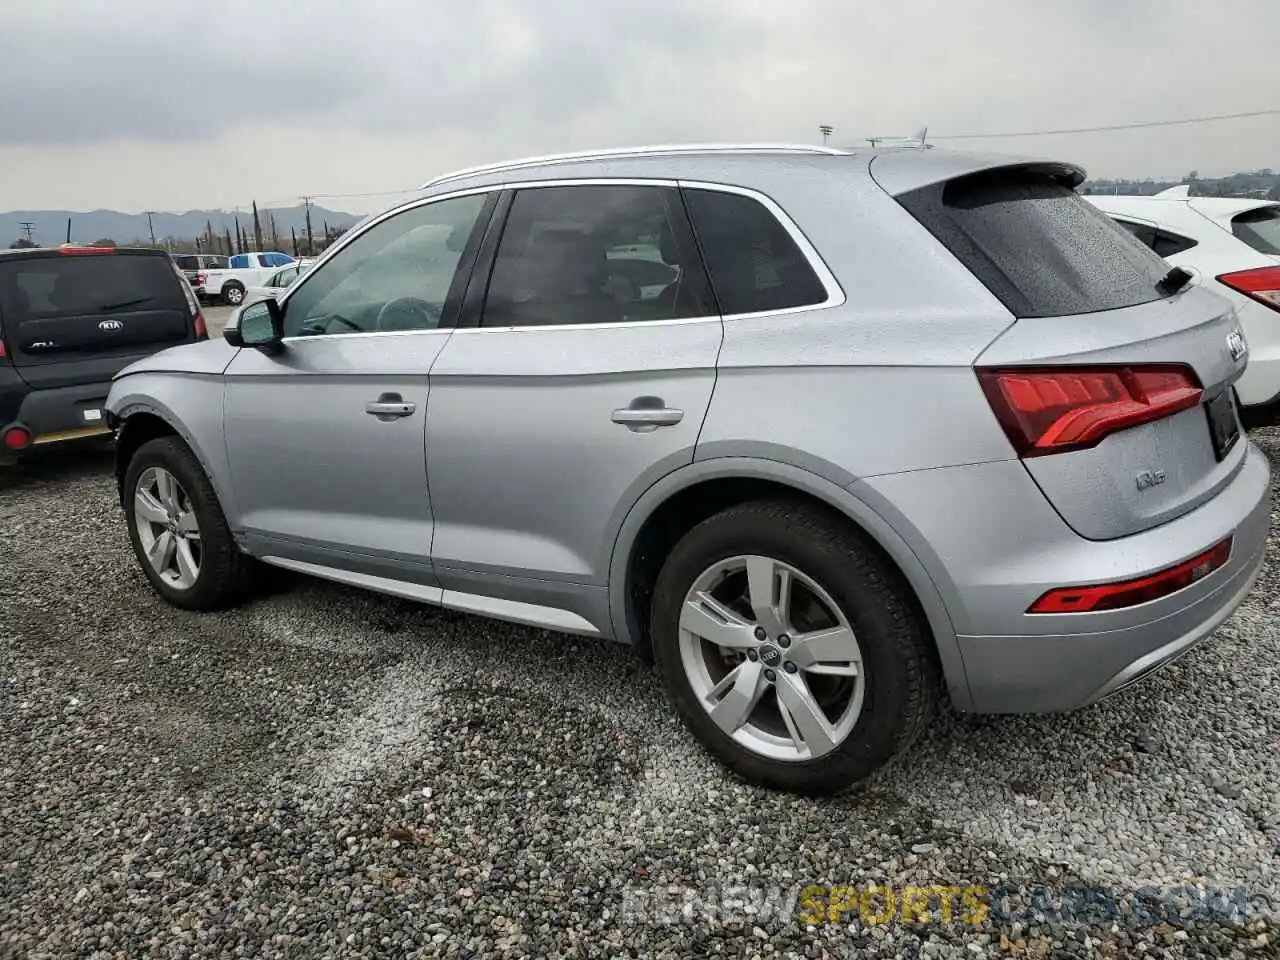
<point>419,314</point>
<point>319,325</point>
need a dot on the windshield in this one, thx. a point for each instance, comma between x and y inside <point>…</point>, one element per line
<point>1260,229</point>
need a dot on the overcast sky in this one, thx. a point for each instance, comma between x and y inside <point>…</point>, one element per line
<point>172,105</point>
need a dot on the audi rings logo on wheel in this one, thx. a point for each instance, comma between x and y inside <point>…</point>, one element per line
<point>770,655</point>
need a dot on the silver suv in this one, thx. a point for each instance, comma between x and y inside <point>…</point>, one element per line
<point>820,431</point>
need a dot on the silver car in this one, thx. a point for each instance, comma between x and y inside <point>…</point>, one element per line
<point>824,433</point>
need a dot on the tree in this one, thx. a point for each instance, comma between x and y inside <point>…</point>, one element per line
<point>257,227</point>
<point>22,243</point>
<point>311,249</point>
<point>104,242</point>
<point>227,237</point>
<point>294,232</point>
<point>275,236</point>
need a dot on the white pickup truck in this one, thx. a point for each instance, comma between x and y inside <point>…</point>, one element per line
<point>243,270</point>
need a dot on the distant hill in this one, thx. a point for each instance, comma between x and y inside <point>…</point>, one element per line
<point>50,226</point>
<point>1264,184</point>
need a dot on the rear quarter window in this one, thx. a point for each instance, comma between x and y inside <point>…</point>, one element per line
<point>1260,229</point>
<point>754,264</point>
<point>1037,245</point>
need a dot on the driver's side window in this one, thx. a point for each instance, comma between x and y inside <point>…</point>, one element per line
<point>394,276</point>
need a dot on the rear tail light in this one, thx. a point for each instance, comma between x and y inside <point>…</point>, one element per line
<point>16,438</point>
<point>201,279</point>
<point>1053,409</point>
<point>1129,593</point>
<point>2,353</point>
<point>202,331</point>
<point>1261,284</point>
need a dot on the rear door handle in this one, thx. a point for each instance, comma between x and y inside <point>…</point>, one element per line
<point>645,415</point>
<point>389,406</point>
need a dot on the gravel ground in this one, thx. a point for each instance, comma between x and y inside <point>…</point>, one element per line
<point>331,773</point>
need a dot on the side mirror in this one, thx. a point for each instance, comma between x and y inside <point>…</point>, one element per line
<point>259,324</point>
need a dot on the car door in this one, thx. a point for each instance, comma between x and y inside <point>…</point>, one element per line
<point>573,383</point>
<point>326,435</point>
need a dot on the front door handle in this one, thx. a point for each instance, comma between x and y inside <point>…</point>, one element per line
<point>389,406</point>
<point>646,414</point>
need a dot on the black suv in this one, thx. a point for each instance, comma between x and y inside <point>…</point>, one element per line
<point>70,319</point>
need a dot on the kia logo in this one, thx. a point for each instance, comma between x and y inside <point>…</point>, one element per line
<point>111,325</point>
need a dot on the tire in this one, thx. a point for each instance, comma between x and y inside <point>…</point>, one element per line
<point>233,294</point>
<point>829,566</point>
<point>223,572</point>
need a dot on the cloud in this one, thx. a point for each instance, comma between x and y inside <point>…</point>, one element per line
<point>373,92</point>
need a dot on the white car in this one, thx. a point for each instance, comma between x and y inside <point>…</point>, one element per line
<point>1231,246</point>
<point>275,284</point>
<point>244,270</point>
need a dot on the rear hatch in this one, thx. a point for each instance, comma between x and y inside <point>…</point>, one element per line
<point>1115,383</point>
<point>72,317</point>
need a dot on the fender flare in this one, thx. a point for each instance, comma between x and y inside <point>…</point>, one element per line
<point>843,499</point>
<point>132,406</point>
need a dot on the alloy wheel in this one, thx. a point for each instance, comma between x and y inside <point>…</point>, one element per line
<point>168,530</point>
<point>771,658</point>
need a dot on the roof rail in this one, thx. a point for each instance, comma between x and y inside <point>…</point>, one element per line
<point>646,151</point>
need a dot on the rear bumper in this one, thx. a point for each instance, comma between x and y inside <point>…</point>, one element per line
<point>64,413</point>
<point>992,559</point>
<point>1046,674</point>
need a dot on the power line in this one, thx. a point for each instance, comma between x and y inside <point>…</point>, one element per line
<point>1116,126</point>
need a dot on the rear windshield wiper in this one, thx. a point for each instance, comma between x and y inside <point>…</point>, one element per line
<point>125,303</point>
<point>1174,280</point>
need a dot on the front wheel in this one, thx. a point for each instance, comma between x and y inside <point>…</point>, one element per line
<point>233,293</point>
<point>178,531</point>
<point>790,648</point>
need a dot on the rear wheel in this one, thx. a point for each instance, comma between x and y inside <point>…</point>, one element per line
<point>178,531</point>
<point>233,293</point>
<point>790,649</point>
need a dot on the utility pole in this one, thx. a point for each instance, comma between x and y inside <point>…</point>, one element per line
<point>28,227</point>
<point>310,242</point>
<point>68,229</point>
<point>826,130</point>
<point>151,229</point>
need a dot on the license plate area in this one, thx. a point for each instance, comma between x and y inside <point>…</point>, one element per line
<point>1224,425</point>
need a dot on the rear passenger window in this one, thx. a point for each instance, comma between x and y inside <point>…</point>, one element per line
<point>595,254</point>
<point>755,265</point>
<point>1036,244</point>
<point>1170,244</point>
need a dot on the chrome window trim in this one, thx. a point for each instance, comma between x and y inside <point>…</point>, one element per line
<point>835,293</point>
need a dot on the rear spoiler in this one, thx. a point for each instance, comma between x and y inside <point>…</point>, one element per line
<point>901,171</point>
